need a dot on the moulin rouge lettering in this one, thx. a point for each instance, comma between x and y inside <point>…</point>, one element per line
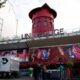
<point>55,32</point>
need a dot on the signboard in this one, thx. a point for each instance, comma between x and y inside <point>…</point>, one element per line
<point>54,32</point>
<point>59,31</point>
<point>54,54</point>
<point>22,54</point>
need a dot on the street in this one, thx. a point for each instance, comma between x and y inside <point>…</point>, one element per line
<point>21,78</point>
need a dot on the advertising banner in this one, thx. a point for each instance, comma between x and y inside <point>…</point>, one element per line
<point>68,52</point>
<point>22,54</point>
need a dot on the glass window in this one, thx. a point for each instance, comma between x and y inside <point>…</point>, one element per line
<point>45,23</point>
<point>39,23</point>
<point>34,25</point>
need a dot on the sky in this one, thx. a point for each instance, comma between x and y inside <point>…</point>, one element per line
<point>68,15</point>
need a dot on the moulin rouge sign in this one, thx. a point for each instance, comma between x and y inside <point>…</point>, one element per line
<point>59,31</point>
<point>55,32</point>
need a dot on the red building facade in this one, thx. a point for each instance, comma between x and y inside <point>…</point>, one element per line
<point>48,50</point>
<point>42,25</point>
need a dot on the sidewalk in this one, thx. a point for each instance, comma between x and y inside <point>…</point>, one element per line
<point>21,78</point>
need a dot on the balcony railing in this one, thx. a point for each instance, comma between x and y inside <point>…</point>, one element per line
<point>25,39</point>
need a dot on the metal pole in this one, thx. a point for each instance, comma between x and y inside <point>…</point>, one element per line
<point>16,26</point>
<point>60,60</point>
<point>60,71</point>
<point>1,27</point>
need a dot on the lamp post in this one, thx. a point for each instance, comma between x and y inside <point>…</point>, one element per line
<point>1,27</point>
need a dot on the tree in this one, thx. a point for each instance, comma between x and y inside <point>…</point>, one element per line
<point>2,2</point>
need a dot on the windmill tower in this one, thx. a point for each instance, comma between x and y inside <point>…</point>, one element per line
<point>42,20</point>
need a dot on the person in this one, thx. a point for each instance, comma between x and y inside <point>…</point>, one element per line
<point>37,72</point>
<point>31,71</point>
<point>44,72</point>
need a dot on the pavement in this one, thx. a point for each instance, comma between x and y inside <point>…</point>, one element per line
<point>21,78</point>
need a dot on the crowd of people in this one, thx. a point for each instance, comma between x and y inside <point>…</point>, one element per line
<point>41,72</point>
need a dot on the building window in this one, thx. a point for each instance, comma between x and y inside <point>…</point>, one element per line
<point>34,25</point>
<point>45,23</point>
<point>39,23</point>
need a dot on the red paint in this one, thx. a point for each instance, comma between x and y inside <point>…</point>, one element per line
<point>42,20</point>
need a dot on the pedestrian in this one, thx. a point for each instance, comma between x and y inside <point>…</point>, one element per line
<point>31,71</point>
<point>37,72</point>
<point>44,72</point>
